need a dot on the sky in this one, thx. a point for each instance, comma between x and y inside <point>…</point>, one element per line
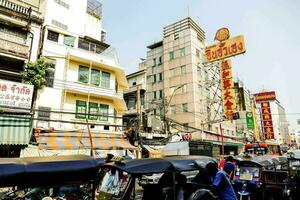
<point>271,29</point>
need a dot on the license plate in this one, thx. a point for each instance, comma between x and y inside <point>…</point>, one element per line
<point>246,176</point>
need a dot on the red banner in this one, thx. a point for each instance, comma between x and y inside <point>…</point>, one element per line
<point>265,96</point>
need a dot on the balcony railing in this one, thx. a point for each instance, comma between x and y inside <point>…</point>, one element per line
<point>14,48</point>
<point>14,7</point>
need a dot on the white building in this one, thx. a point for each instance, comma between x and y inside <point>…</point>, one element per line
<point>87,77</point>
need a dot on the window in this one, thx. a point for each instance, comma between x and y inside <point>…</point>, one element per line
<point>154,78</point>
<point>154,95</point>
<point>95,77</point>
<point>199,72</point>
<point>83,74</point>
<point>80,109</point>
<point>171,55</point>
<point>172,89</point>
<point>94,8</point>
<point>160,94</point>
<point>44,112</point>
<point>185,126</point>
<point>104,111</point>
<point>160,60</point>
<point>185,107</point>
<point>173,109</point>
<point>53,36</point>
<point>93,111</point>
<point>183,69</point>
<point>172,72</point>
<point>182,51</point>
<point>197,53</point>
<point>160,76</point>
<point>69,40</point>
<point>62,3</point>
<point>50,73</point>
<point>184,88</point>
<point>105,79</point>
<point>154,62</point>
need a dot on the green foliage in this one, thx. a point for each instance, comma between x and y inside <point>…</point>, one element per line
<point>35,73</point>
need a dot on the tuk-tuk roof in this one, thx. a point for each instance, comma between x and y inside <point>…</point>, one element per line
<point>163,165</point>
<point>189,163</point>
<point>53,170</point>
<point>265,160</point>
<point>144,166</point>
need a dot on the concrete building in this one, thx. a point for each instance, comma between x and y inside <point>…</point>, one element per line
<point>177,77</point>
<point>20,25</point>
<point>87,77</point>
<point>244,105</point>
<point>136,106</point>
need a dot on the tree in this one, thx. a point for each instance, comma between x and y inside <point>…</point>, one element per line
<point>35,74</point>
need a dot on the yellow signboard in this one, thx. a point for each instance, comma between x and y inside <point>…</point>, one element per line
<point>228,48</point>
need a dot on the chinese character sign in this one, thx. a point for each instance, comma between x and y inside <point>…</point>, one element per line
<point>17,95</point>
<point>227,87</point>
<point>265,96</point>
<point>267,122</point>
<point>228,48</point>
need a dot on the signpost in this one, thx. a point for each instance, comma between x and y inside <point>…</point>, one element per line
<point>15,95</point>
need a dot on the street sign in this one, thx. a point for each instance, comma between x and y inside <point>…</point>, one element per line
<point>227,48</point>
<point>16,95</point>
<point>250,120</point>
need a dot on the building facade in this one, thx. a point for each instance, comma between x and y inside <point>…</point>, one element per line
<point>20,25</point>
<point>87,78</point>
<point>178,79</point>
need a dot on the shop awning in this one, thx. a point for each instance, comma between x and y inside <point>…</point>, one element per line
<point>81,140</point>
<point>234,144</point>
<point>15,130</point>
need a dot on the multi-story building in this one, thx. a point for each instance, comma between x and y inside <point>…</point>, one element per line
<point>178,79</point>
<point>136,106</point>
<point>87,77</point>
<point>20,25</point>
<point>244,105</point>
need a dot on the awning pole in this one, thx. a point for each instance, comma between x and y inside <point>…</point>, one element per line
<point>222,157</point>
<point>90,136</point>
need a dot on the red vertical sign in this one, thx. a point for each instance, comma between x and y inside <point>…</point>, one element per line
<point>267,122</point>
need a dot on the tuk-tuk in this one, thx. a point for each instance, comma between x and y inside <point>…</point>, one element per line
<point>294,173</point>
<point>261,176</point>
<point>119,180</point>
<point>71,177</point>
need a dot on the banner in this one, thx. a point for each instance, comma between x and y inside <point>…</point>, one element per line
<point>15,95</point>
<point>227,88</point>
<point>250,120</point>
<point>267,122</point>
<point>227,48</point>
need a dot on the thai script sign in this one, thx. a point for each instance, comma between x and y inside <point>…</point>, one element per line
<point>16,95</point>
<point>227,48</point>
<point>227,88</point>
<point>265,96</point>
<point>267,122</point>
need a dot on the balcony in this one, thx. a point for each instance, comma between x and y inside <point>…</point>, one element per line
<point>13,48</point>
<point>14,7</point>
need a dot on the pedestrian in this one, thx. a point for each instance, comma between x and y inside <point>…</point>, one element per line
<point>221,185</point>
<point>229,167</point>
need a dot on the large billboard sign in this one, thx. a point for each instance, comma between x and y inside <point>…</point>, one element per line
<point>224,49</point>
<point>265,96</point>
<point>15,95</point>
